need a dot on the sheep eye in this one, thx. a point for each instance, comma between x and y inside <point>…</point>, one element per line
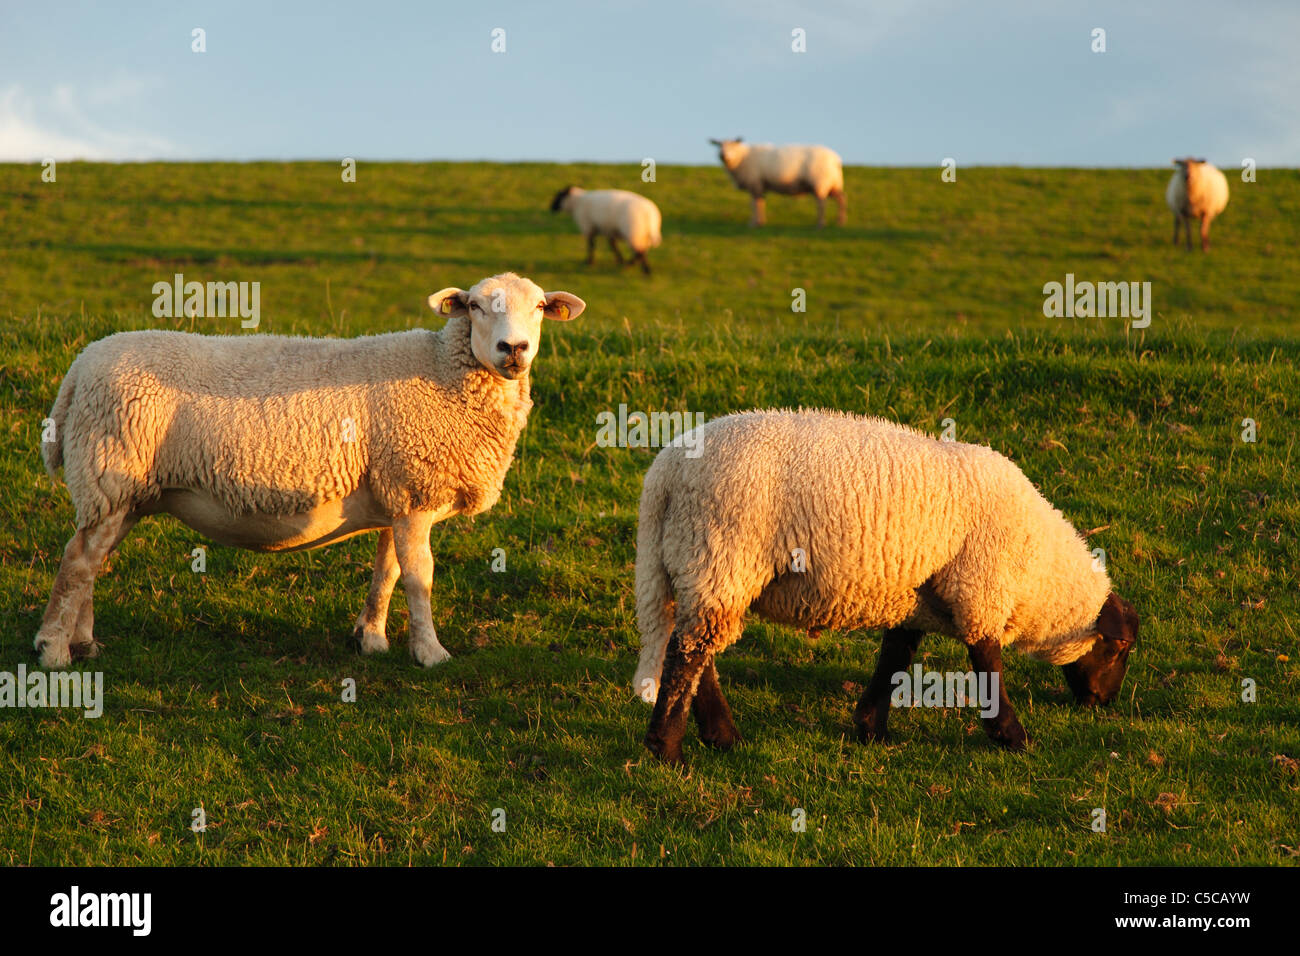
<point>541,305</point>
<point>475,305</point>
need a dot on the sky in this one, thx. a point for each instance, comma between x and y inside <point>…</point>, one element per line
<point>891,82</point>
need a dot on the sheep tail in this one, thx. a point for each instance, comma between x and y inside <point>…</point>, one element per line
<point>52,451</point>
<point>654,593</point>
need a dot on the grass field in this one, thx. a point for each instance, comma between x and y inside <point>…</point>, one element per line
<point>222,689</point>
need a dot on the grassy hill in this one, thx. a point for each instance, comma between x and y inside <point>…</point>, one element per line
<point>222,689</point>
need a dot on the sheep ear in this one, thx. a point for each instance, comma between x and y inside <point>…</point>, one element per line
<point>716,142</point>
<point>563,306</point>
<point>1118,621</point>
<point>449,303</point>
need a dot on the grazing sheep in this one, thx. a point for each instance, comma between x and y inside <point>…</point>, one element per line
<point>791,170</point>
<point>892,529</point>
<point>274,443</point>
<point>616,214</point>
<point>1197,190</point>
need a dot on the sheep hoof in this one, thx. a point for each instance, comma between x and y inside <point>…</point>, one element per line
<point>372,642</point>
<point>869,735</point>
<point>54,654</point>
<point>668,754</point>
<point>429,653</point>
<point>1011,738</point>
<point>85,651</point>
<point>723,738</point>
<point>866,720</point>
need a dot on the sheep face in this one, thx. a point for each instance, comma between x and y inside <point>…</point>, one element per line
<point>506,313</point>
<point>731,151</point>
<point>1186,167</point>
<point>561,199</point>
<point>1096,677</point>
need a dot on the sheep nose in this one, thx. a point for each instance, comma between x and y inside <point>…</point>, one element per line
<point>518,349</point>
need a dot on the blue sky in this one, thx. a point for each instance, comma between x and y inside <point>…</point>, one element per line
<point>889,83</point>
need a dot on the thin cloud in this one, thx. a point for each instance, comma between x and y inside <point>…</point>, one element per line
<point>61,125</point>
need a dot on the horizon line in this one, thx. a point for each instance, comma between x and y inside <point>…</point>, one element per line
<point>568,162</point>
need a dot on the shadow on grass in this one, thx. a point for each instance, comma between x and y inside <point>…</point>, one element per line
<point>123,252</point>
<point>806,232</point>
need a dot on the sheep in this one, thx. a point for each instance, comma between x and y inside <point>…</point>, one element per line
<point>616,214</point>
<point>826,519</point>
<point>1197,190</point>
<point>791,170</point>
<point>276,443</point>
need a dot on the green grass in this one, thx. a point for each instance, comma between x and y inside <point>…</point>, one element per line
<point>223,689</point>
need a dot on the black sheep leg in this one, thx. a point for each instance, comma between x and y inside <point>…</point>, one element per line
<point>1003,727</point>
<point>897,648</point>
<point>712,714</point>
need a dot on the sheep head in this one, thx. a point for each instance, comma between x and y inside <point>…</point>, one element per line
<point>1096,677</point>
<point>732,152</point>
<point>1187,164</point>
<point>506,313</point>
<point>561,199</point>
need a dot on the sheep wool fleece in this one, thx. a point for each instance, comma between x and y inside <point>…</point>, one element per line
<point>278,425</point>
<point>891,527</point>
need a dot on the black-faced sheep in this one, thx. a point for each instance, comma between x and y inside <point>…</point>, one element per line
<point>829,520</point>
<point>615,214</point>
<point>1196,191</point>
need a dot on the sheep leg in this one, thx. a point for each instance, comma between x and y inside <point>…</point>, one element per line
<point>83,643</point>
<point>74,587</point>
<point>695,639</point>
<point>1002,727</point>
<point>591,248</point>
<point>415,559</point>
<point>645,263</point>
<point>897,648</point>
<point>373,620</point>
<point>676,689</point>
<point>821,212</point>
<point>613,247</point>
<point>1187,228</point>
<point>842,202</point>
<point>1177,221</point>
<point>1205,233</point>
<point>760,212</point>
<point>712,714</point>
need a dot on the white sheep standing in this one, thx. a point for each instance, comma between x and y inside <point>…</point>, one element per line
<point>791,170</point>
<point>615,214</point>
<point>831,520</point>
<point>275,443</point>
<point>1197,190</point>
